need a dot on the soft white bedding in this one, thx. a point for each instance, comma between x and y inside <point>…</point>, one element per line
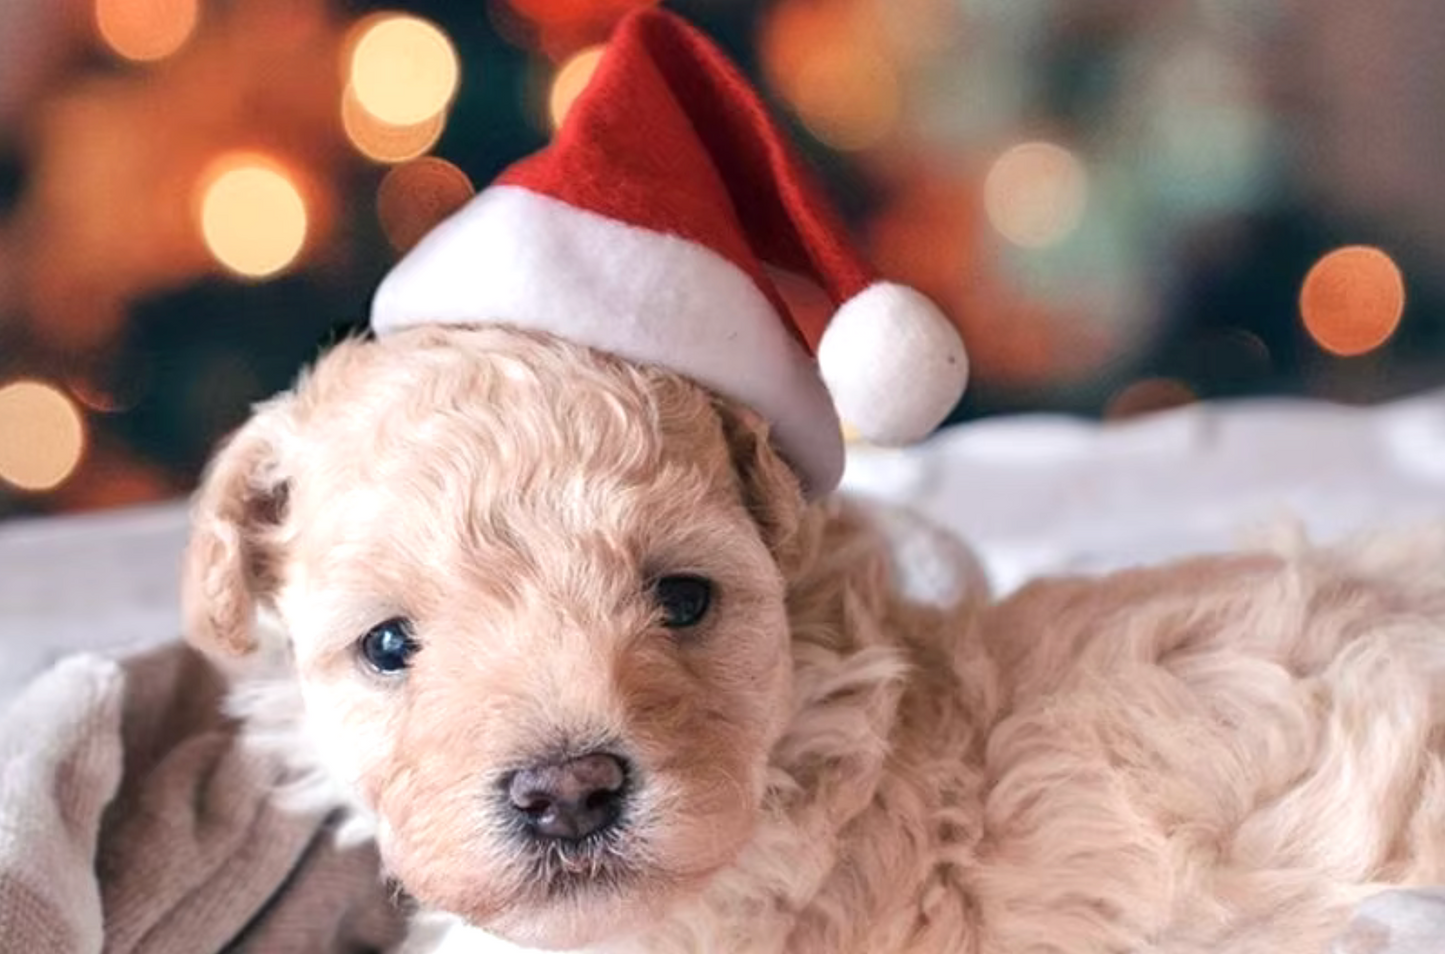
<point>1031,494</point>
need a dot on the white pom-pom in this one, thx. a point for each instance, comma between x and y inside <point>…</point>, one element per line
<point>893,363</point>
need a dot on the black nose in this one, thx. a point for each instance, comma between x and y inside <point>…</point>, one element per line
<point>570,800</point>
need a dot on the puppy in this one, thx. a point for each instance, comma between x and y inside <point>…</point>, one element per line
<point>562,635</point>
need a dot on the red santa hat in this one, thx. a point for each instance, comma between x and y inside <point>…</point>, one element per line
<point>644,230</point>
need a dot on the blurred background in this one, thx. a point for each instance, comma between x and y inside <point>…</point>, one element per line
<point>1127,204</point>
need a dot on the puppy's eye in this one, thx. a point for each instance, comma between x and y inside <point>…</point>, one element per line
<point>684,600</point>
<point>389,646</point>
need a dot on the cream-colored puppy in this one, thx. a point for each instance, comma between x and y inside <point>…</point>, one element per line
<point>563,636</point>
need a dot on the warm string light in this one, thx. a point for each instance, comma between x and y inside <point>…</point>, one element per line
<point>1035,194</point>
<point>850,104</point>
<point>830,67</point>
<point>1352,300</point>
<point>416,196</point>
<point>403,70</point>
<point>1148,396</point>
<point>253,216</point>
<point>402,75</point>
<point>42,436</point>
<point>116,398</point>
<point>384,142</point>
<point>146,30</point>
<point>572,78</point>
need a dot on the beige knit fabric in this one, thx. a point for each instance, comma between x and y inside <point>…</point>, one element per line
<point>131,822</point>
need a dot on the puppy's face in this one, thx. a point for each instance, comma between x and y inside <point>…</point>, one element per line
<point>535,613</point>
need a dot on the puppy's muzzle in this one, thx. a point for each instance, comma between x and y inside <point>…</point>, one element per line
<point>570,800</point>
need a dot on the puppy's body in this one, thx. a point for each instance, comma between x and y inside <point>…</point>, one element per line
<point>1219,756</point>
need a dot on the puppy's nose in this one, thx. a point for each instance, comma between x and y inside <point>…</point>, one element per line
<point>570,800</point>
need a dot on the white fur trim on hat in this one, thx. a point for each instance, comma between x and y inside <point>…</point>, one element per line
<point>512,256</point>
<point>894,364</point>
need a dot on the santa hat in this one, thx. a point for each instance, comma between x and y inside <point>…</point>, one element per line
<point>644,230</point>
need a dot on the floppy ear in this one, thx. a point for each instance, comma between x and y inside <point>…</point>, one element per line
<point>231,559</point>
<point>771,490</point>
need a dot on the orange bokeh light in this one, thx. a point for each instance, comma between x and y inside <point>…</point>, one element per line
<point>1149,396</point>
<point>1352,300</point>
<point>415,197</point>
<point>849,100</point>
<point>146,30</point>
<point>382,141</point>
<point>828,64</point>
<point>252,215</point>
<point>570,81</point>
<point>403,70</point>
<point>42,436</point>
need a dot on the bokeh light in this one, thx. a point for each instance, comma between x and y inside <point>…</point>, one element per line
<point>416,196</point>
<point>1352,300</point>
<point>1035,194</point>
<point>403,70</point>
<point>115,397</point>
<point>1148,396</point>
<point>382,141</point>
<point>146,30</point>
<point>42,436</point>
<point>848,102</point>
<point>570,81</point>
<point>253,217</point>
<point>833,72</point>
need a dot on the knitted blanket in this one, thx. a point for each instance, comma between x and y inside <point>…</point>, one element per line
<point>131,822</point>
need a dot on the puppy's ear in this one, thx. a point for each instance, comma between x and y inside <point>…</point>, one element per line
<point>231,559</point>
<point>771,490</point>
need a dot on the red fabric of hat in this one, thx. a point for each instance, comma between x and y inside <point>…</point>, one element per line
<point>643,230</point>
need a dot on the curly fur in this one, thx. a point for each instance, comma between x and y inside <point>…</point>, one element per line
<point>1220,755</point>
